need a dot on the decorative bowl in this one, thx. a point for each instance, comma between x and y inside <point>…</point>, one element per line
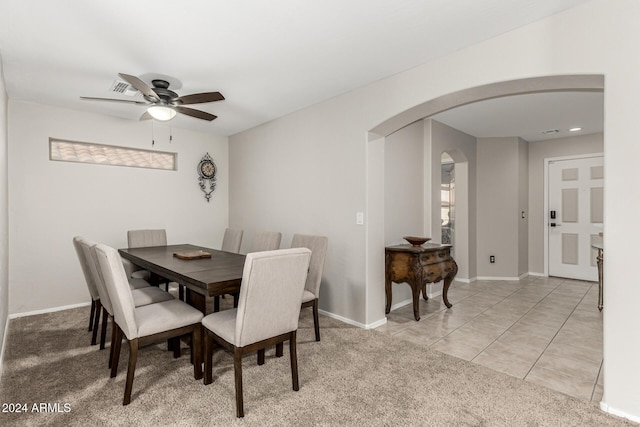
<point>416,241</point>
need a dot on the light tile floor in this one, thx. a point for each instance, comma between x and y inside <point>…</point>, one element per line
<point>544,330</point>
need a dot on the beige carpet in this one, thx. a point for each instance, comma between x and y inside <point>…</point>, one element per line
<point>352,377</point>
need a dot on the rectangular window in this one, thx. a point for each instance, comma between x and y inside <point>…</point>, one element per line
<point>85,152</point>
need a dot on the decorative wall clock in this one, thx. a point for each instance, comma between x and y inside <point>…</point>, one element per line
<point>207,175</point>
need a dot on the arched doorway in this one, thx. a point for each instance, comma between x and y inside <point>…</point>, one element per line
<point>375,164</point>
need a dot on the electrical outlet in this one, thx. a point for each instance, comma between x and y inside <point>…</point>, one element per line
<point>492,259</point>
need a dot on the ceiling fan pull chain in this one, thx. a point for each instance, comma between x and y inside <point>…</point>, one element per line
<point>170,134</point>
<point>153,140</point>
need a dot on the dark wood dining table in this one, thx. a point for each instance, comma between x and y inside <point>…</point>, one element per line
<point>204,278</point>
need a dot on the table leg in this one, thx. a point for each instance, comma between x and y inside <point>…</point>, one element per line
<point>387,290</point>
<point>415,290</point>
<point>424,292</point>
<point>197,301</point>
<point>453,270</point>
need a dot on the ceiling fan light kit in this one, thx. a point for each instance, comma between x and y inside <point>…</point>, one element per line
<point>163,104</point>
<point>161,113</point>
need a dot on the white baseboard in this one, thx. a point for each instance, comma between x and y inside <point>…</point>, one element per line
<point>48,310</point>
<point>608,409</point>
<point>537,274</point>
<point>463,280</point>
<point>401,304</point>
<point>353,322</point>
<point>499,278</point>
<point>4,344</point>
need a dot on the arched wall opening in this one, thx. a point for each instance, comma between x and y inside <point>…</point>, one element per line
<point>375,236</point>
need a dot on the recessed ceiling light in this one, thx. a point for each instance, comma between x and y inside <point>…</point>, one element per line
<point>574,129</point>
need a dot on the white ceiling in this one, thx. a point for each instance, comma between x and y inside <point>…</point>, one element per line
<point>268,58</point>
<point>533,117</point>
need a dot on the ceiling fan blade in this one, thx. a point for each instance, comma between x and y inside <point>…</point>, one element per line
<point>199,98</point>
<point>127,101</point>
<point>195,113</point>
<point>140,85</point>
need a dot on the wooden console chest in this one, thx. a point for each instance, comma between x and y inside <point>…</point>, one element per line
<point>417,266</point>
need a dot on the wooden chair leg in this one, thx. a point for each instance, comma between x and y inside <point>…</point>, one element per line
<point>208,358</point>
<point>237,369</point>
<point>131,370</point>
<point>279,349</point>
<point>116,351</point>
<point>175,345</point>
<point>114,334</point>
<point>96,322</point>
<point>316,323</point>
<point>216,304</point>
<point>294,360</point>
<point>103,332</point>
<point>196,351</point>
<point>181,292</point>
<point>261,356</point>
<point>93,311</point>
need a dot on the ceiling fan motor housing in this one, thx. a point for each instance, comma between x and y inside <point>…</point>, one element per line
<point>161,88</point>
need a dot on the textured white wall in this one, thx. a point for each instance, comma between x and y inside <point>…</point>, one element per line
<point>4,217</point>
<point>404,191</point>
<point>523,206</point>
<point>335,167</point>
<point>50,202</point>
<point>461,147</point>
<point>498,196</point>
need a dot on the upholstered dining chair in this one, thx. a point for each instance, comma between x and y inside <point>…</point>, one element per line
<point>318,246</point>
<point>146,324</point>
<point>94,317</point>
<point>262,241</point>
<point>144,239</point>
<point>141,295</point>
<point>232,240</point>
<point>265,241</point>
<point>267,313</point>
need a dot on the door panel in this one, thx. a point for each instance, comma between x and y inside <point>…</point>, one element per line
<point>576,195</point>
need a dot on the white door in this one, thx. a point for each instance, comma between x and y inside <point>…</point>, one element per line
<point>575,216</point>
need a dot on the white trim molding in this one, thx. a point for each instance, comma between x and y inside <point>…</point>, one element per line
<point>48,310</point>
<point>4,345</point>
<point>353,322</point>
<point>608,409</point>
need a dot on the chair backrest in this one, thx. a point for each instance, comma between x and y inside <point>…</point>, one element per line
<point>88,247</point>
<point>84,265</point>
<point>115,280</point>
<point>232,240</point>
<point>318,246</point>
<point>265,241</point>
<point>271,294</point>
<point>146,238</point>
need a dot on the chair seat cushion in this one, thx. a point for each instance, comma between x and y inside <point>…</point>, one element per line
<point>138,283</point>
<point>149,295</point>
<point>163,316</point>
<point>223,324</point>
<point>140,274</point>
<point>307,296</point>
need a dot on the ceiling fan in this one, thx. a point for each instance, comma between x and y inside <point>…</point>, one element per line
<point>164,103</point>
